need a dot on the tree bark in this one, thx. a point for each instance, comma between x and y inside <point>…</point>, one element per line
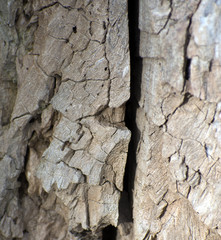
<point>110,119</point>
<point>176,192</point>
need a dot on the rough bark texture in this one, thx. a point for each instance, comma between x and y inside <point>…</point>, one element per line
<point>177,184</point>
<point>65,80</point>
<point>64,90</point>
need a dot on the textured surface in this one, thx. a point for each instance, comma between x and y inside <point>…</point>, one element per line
<point>64,85</point>
<point>65,79</point>
<point>177,183</point>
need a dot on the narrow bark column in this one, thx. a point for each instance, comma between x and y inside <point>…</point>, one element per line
<point>176,193</point>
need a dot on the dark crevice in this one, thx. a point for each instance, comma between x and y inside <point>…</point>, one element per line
<point>109,233</point>
<point>200,177</point>
<point>147,235</point>
<point>186,99</point>
<point>168,18</point>
<point>187,171</point>
<point>163,212</point>
<point>126,214</point>
<point>22,191</point>
<point>74,28</point>
<point>187,61</point>
<point>210,65</point>
<point>187,69</point>
<point>56,84</point>
<point>48,6</point>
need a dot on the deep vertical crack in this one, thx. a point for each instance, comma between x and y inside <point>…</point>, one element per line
<point>187,61</point>
<point>22,177</point>
<point>131,108</point>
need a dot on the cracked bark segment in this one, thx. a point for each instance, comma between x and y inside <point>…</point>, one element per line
<point>59,174</point>
<point>153,16</point>
<point>90,63</point>
<point>84,153</point>
<point>160,180</point>
<point>197,159</point>
<point>46,220</point>
<point>117,52</point>
<point>153,179</point>
<point>176,29</point>
<point>102,200</point>
<point>7,180</point>
<point>177,214</point>
<point>160,92</point>
<point>11,225</point>
<point>73,135</point>
<point>79,100</point>
<point>62,140</point>
<point>178,121</point>
<point>51,38</point>
<point>33,84</point>
<point>9,44</point>
<point>83,144</point>
<point>204,52</point>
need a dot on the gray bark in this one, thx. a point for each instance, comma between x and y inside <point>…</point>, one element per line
<point>99,140</point>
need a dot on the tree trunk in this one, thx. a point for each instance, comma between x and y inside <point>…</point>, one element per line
<point>110,119</point>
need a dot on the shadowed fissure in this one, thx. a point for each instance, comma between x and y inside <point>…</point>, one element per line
<point>126,201</point>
